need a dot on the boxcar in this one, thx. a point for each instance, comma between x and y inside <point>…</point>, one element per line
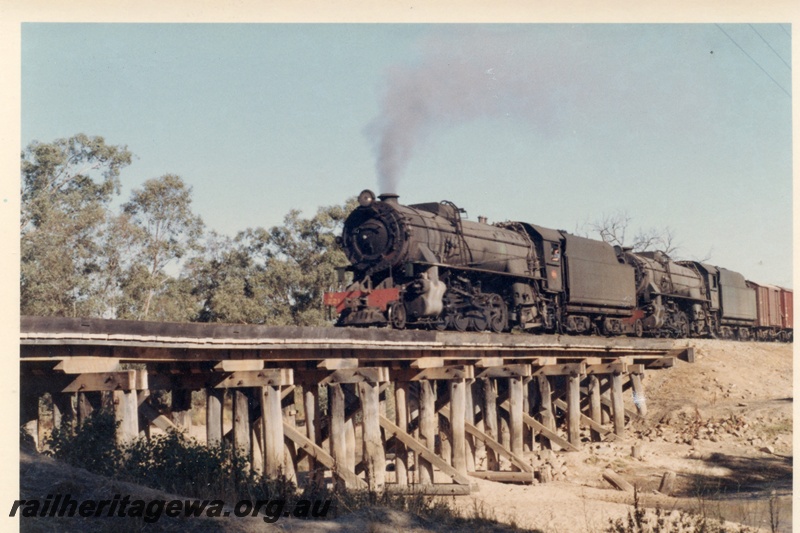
<point>773,311</point>
<point>787,314</point>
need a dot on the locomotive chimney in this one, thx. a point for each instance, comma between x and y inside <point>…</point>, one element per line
<point>389,197</point>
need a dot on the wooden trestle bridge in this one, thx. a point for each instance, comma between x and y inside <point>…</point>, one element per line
<point>420,404</point>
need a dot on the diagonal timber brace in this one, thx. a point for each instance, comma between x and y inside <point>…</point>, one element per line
<point>585,420</point>
<point>422,451</point>
<point>315,451</point>
<point>533,424</point>
<point>498,448</point>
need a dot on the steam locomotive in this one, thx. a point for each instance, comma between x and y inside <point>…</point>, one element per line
<point>425,266</point>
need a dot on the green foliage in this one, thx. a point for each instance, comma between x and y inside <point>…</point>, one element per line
<point>66,187</point>
<point>147,262</point>
<point>178,464</point>
<point>91,447</point>
<point>273,277</point>
<point>69,176</point>
<point>158,297</point>
<point>229,283</point>
<point>172,462</point>
<point>161,229</point>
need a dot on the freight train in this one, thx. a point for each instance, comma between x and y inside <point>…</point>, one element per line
<point>426,266</point>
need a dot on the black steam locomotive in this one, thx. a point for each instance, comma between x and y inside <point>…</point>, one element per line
<point>423,265</point>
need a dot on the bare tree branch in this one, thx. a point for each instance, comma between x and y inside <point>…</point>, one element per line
<point>613,229</point>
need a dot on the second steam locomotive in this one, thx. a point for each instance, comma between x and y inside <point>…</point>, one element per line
<point>424,265</point>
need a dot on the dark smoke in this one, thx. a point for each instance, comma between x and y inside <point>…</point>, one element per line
<point>512,73</point>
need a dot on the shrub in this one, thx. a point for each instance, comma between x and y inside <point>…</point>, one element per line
<point>176,463</point>
<point>171,462</point>
<point>91,447</point>
<point>641,520</point>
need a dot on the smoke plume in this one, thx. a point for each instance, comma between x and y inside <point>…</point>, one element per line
<point>516,73</point>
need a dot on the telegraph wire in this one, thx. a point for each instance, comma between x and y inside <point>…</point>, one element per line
<point>785,30</point>
<point>753,60</point>
<point>770,47</point>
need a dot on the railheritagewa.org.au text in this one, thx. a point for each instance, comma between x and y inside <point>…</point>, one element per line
<point>63,505</point>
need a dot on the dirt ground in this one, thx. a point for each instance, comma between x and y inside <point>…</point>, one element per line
<point>722,424</point>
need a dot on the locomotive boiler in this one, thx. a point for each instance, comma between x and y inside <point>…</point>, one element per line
<point>671,295</point>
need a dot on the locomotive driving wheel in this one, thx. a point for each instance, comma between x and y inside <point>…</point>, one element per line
<point>478,320</point>
<point>460,322</point>
<point>397,315</point>
<point>638,328</point>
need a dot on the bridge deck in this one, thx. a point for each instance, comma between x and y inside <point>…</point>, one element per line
<point>132,341</point>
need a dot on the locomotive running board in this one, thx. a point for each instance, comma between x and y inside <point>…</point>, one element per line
<point>481,271</point>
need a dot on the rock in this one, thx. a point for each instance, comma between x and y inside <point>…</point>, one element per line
<point>603,449</point>
<point>768,449</point>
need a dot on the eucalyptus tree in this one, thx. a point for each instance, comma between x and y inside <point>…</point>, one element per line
<point>230,283</point>
<point>161,230</point>
<point>66,187</point>
<point>275,276</point>
<point>301,259</point>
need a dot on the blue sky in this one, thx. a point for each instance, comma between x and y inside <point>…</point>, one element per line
<point>686,126</point>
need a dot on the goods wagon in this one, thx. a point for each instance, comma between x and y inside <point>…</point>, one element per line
<point>773,312</point>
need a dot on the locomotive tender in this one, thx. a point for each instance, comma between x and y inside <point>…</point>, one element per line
<point>424,265</point>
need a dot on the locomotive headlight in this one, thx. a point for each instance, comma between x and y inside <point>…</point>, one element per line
<point>366,198</point>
